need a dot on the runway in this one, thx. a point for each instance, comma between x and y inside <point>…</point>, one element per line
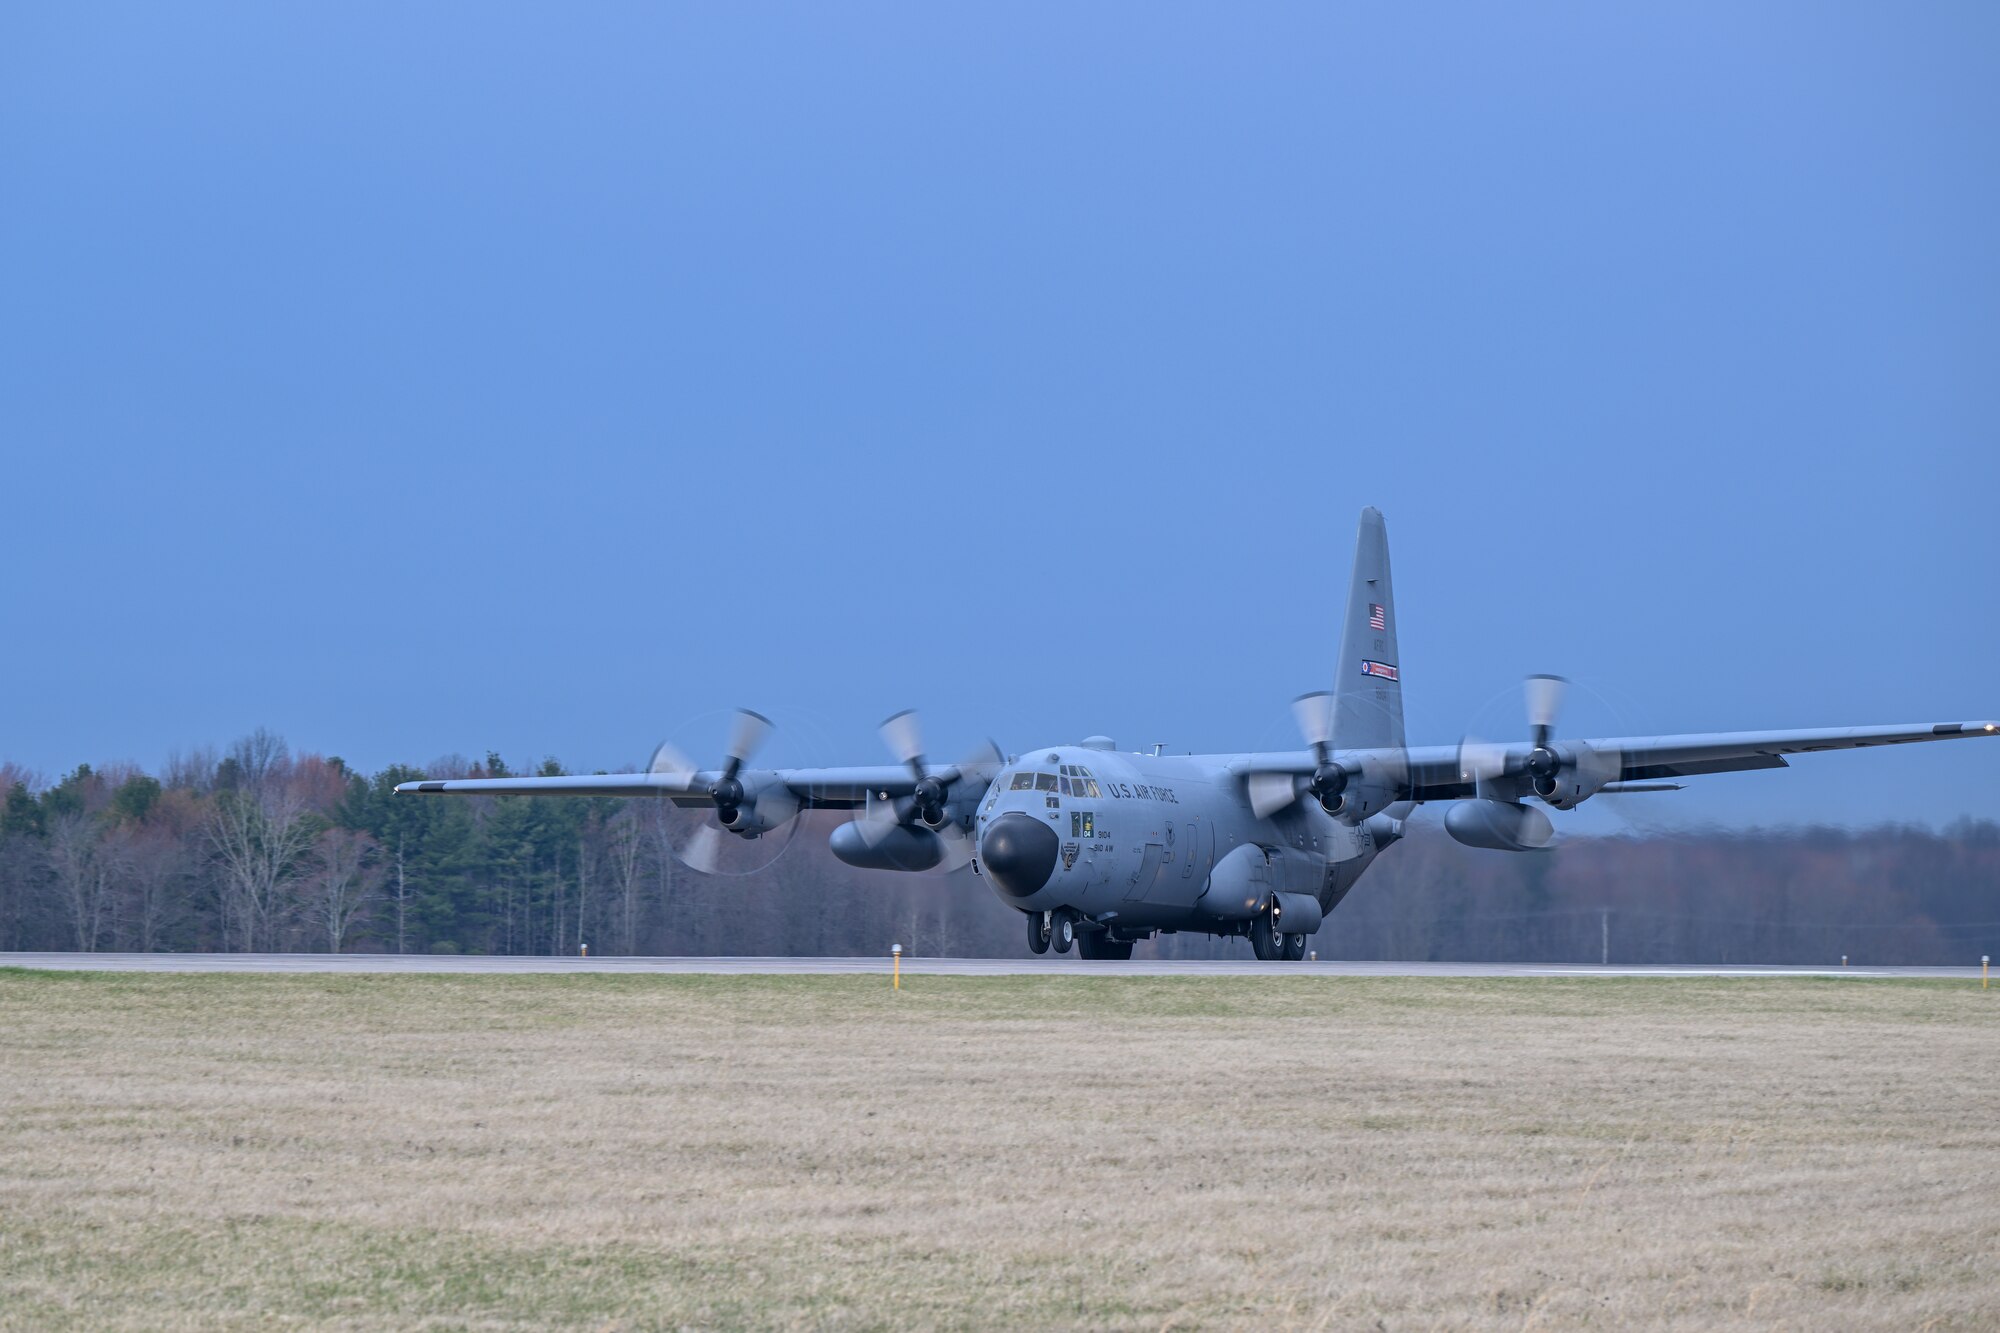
<point>364,963</point>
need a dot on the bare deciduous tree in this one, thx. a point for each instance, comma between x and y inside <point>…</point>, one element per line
<point>343,884</point>
<point>626,852</point>
<point>261,759</point>
<point>260,841</point>
<point>402,897</point>
<point>81,864</point>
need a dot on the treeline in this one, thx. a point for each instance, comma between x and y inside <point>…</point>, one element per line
<point>257,849</point>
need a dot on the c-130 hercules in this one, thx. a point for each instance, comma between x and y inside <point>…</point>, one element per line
<point>1099,849</point>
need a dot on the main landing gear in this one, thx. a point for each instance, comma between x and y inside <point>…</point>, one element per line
<point>1099,947</point>
<point>1272,945</point>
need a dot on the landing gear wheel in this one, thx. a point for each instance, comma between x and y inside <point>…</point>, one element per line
<point>1267,944</point>
<point>1100,947</point>
<point>1062,932</point>
<point>1295,948</point>
<point>1038,931</point>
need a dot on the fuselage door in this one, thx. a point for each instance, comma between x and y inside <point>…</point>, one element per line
<point>1148,871</point>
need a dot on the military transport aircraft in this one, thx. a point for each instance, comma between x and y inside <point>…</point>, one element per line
<point>1098,849</point>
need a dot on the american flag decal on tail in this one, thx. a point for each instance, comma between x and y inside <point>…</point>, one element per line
<point>1382,669</point>
<point>1377,617</point>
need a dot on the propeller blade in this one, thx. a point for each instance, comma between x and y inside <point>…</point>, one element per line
<point>1545,697</point>
<point>1596,764</point>
<point>1480,761</point>
<point>669,762</point>
<point>1271,792</point>
<point>749,733</point>
<point>1315,716</point>
<point>876,820</point>
<point>904,737</point>
<point>983,755</point>
<point>703,851</point>
<point>957,847</point>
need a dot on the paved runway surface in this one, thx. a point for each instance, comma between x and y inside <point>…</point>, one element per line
<point>956,967</point>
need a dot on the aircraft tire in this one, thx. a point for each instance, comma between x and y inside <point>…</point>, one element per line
<point>1266,943</point>
<point>1038,931</point>
<point>1062,931</point>
<point>1295,948</point>
<point>1102,948</point>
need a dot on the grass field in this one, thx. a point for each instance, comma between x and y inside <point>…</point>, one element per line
<point>624,1152</point>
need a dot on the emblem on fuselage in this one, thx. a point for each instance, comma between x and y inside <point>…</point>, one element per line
<point>1069,852</point>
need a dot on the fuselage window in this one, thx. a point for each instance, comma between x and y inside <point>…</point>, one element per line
<point>1062,785</point>
<point>1090,787</point>
<point>1045,782</point>
<point>1023,782</point>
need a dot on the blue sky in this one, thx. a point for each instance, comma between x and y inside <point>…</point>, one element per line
<point>424,379</point>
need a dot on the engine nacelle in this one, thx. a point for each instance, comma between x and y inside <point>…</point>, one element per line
<point>1373,788</point>
<point>898,847</point>
<point>1583,774</point>
<point>760,812</point>
<point>1500,826</point>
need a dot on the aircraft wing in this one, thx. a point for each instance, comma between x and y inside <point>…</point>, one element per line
<point>815,788</point>
<point>1438,772</point>
<point>1442,773</point>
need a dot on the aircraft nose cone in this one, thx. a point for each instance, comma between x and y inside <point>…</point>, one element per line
<point>1019,852</point>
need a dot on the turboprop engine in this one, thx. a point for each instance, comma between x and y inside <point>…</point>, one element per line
<point>756,812</point>
<point>1564,774</point>
<point>747,805</point>
<point>928,827</point>
<point>1350,790</point>
<point>1499,826</point>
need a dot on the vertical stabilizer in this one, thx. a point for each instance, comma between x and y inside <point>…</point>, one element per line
<point>1368,695</point>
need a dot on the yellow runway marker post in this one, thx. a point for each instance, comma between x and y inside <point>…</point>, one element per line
<point>1984,959</point>
<point>896,966</point>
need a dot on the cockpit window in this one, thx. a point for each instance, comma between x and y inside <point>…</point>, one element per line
<point>1045,782</point>
<point>1079,782</point>
<point>1023,782</point>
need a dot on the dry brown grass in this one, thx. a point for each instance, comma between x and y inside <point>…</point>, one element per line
<point>638,1151</point>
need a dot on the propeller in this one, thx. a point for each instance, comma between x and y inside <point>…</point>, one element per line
<point>1315,715</point>
<point>1272,792</point>
<point>1544,696</point>
<point>926,803</point>
<point>712,846</point>
<point>1543,765</point>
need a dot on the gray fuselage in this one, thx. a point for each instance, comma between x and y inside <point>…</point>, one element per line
<point>1140,839</point>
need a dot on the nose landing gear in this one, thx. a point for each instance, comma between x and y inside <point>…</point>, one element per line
<point>1059,930</point>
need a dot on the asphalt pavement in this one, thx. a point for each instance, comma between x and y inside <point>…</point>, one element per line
<point>955,967</point>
